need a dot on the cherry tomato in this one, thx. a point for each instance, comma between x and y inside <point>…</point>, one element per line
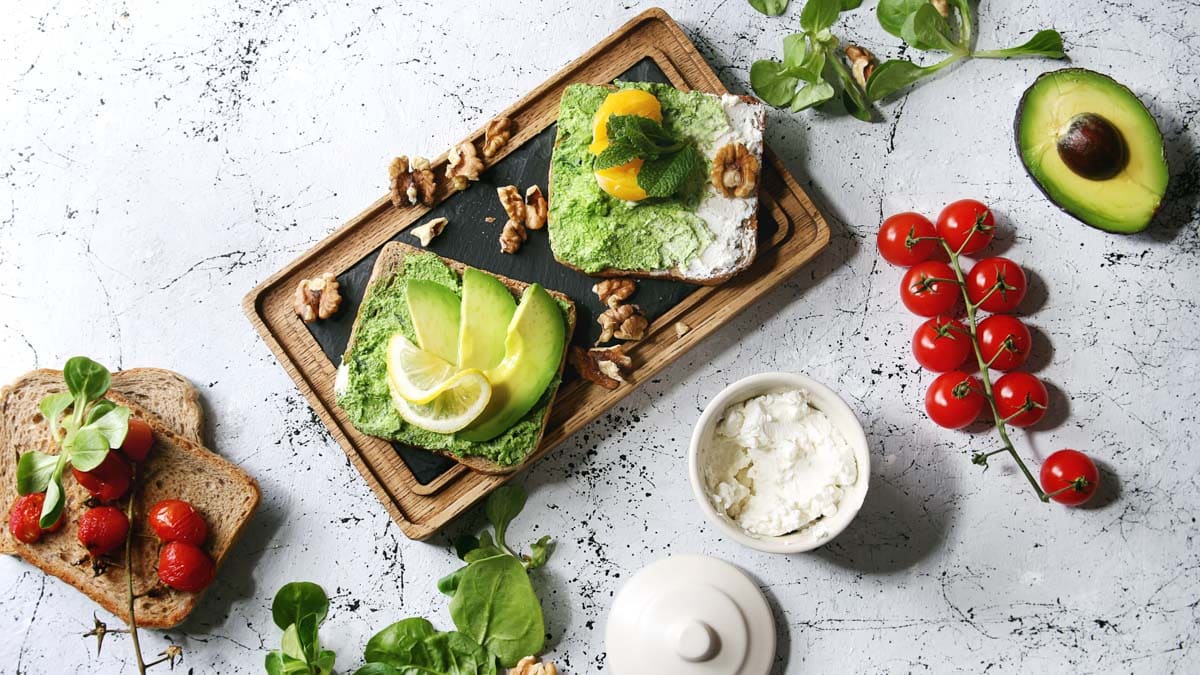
<point>1072,472</point>
<point>967,226</point>
<point>953,400</point>
<point>925,297</point>
<point>1005,276</point>
<point>177,520</point>
<point>102,530</point>
<point>896,235</point>
<point>941,344</point>
<point>109,481</point>
<point>137,441</point>
<point>1021,399</point>
<point>24,515</point>
<point>1004,341</point>
<point>185,567</point>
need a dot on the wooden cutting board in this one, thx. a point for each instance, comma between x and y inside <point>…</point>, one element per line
<point>421,491</point>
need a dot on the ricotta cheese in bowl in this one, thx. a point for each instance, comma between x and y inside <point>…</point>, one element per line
<point>779,462</point>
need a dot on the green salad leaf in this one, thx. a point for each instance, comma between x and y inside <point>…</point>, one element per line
<point>770,7</point>
<point>495,604</point>
<point>299,608</point>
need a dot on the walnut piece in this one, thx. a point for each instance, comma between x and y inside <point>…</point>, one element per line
<point>735,171</point>
<point>605,366</point>
<point>463,165</point>
<point>624,322</point>
<point>428,231</point>
<point>681,329</point>
<point>496,135</point>
<point>317,298</point>
<point>536,208</point>
<point>613,292</point>
<point>510,199</point>
<point>942,6</point>
<point>531,665</point>
<point>512,236</point>
<point>862,64</point>
<point>411,182</point>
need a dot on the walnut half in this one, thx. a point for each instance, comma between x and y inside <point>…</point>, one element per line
<point>862,64</point>
<point>735,171</point>
<point>613,292</point>
<point>412,182</point>
<point>496,135</point>
<point>605,366</point>
<point>624,322</point>
<point>530,665</point>
<point>536,208</point>
<point>317,298</point>
<point>428,231</point>
<point>463,165</point>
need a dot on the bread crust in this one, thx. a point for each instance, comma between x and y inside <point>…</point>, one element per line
<point>391,260</point>
<point>178,467</point>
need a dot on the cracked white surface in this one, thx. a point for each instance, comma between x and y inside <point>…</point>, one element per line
<point>159,159</point>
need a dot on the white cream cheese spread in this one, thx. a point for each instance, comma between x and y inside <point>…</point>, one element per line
<point>776,464</point>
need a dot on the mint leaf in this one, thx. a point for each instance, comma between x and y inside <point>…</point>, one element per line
<point>647,137</point>
<point>616,154</point>
<point>662,176</point>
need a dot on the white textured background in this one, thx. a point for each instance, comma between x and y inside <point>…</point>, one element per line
<point>157,160</point>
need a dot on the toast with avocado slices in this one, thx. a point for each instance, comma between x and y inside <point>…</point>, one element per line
<point>454,360</point>
<point>684,208</point>
<point>178,467</point>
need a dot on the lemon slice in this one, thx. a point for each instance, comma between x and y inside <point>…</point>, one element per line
<point>416,375</point>
<point>452,409</point>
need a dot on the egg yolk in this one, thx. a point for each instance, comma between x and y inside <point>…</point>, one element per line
<point>621,181</point>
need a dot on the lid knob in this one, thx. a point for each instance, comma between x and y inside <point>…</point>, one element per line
<point>696,641</point>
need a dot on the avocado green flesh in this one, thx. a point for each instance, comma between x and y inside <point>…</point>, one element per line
<point>1126,202</point>
<point>487,309</point>
<point>434,309</point>
<point>533,352</point>
<point>593,230</point>
<point>366,399</point>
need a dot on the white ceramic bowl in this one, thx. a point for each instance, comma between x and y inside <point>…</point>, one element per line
<point>842,417</point>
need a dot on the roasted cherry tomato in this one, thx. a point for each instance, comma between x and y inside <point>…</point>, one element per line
<point>1004,341</point>
<point>1072,472</point>
<point>109,481</point>
<point>897,240</point>
<point>137,441</point>
<point>1021,399</point>
<point>24,516</point>
<point>1002,274</point>
<point>185,567</point>
<point>954,400</point>
<point>177,520</point>
<point>967,226</point>
<point>929,289</point>
<point>102,530</point>
<point>941,344</point>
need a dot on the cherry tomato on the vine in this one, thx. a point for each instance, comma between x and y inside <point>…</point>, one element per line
<point>177,520</point>
<point>102,529</point>
<point>185,567</point>
<point>1001,274</point>
<point>929,288</point>
<point>898,239</point>
<point>24,517</point>
<point>941,344</point>
<point>967,226</point>
<point>138,440</point>
<point>1021,399</point>
<point>1004,341</point>
<point>109,481</point>
<point>1072,472</point>
<point>954,400</point>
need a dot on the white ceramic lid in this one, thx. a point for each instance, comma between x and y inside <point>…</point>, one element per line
<point>690,615</point>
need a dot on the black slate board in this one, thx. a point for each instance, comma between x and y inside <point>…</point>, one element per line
<point>470,239</point>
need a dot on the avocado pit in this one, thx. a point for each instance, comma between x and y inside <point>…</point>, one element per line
<point>1092,147</point>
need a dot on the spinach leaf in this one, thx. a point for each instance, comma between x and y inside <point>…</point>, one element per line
<point>296,600</point>
<point>848,5</point>
<point>380,669</point>
<point>1047,43</point>
<point>86,379</point>
<point>539,552</point>
<point>770,7</point>
<point>413,647</point>
<point>507,501</point>
<point>893,13</point>
<point>34,470</point>
<point>496,606</point>
<point>395,643</point>
<point>819,15</point>
<point>773,82</point>
<point>661,177</point>
<point>926,30</point>
<point>892,76</point>
<point>464,544</point>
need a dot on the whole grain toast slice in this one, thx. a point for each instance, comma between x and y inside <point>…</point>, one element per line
<point>178,467</point>
<point>391,261</point>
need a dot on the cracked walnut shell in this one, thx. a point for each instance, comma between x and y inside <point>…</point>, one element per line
<point>605,366</point>
<point>496,135</point>
<point>862,64</point>
<point>317,298</point>
<point>412,182</point>
<point>624,322</point>
<point>536,208</point>
<point>735,171</point>
<point>613,292</point>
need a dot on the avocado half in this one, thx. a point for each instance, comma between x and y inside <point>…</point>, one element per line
<point>1093,148</point>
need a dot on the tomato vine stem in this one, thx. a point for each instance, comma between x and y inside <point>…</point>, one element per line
<point>984,375</point>
<point>133,628</point>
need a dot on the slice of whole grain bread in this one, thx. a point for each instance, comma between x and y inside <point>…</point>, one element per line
<point>178,468</point>
<point>391,261</point>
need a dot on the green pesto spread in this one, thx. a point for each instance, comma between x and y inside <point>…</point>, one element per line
<point>593,230</point>
<point>366,399</point>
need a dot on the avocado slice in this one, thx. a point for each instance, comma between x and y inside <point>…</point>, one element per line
<point>487,310</point>
<point>1093,148</point>
<point>434,309</point>
<point>533,350</point>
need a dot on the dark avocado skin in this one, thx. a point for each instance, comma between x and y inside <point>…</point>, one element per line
<point>1041,181</point>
